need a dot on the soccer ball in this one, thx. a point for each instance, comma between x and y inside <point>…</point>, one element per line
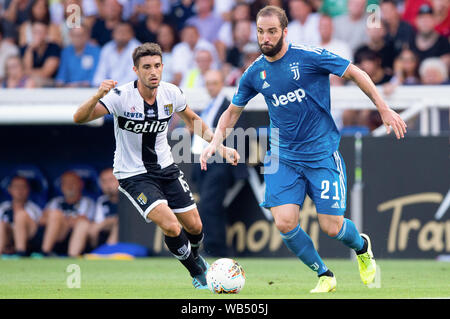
<point>225,276</point>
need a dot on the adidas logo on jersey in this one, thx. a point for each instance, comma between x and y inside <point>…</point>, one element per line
<point>335,205</point>
<point>296,95</point>
<point>265,85</point>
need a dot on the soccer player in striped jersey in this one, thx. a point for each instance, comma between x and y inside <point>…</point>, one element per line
<point>294,80</point>
<point>143,162</point>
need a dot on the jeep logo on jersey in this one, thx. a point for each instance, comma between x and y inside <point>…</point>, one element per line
<point>297,95</point>
<point>140,127</point>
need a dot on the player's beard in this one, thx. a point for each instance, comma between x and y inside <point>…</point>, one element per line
<point>273,50</point>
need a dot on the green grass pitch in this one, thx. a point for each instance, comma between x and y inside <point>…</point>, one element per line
<point>266,278</point>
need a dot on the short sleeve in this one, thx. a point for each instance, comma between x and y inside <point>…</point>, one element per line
<point>244,92</point>
<point>3,208</point>
<point>99,216</point>
<point>53,204</point>
<point>180,101</point>
<point>329,62</point>
<point>87,208</point>
<point>111,101</point>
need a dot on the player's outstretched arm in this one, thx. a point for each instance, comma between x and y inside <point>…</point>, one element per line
<point>196,125</point>
<point>390,118</point>
<point>92,109</point>
<point>226,122</point>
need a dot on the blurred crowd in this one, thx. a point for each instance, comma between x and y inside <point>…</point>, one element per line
<point>78,43</point>
<point>81,215</point>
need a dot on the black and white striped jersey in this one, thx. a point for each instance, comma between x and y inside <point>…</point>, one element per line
<point>7,212</point>
<point>141,129</point>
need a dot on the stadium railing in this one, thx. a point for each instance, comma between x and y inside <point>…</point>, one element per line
<point>56,106</point>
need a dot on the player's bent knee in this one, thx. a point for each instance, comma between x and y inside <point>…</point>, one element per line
<point>194,229</point>
<point>285,226</point>
<point>171,229</point>
<point>330,224</point>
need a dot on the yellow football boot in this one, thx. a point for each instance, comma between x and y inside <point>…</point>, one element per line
<point>366,263</point>
<point>325,284</point>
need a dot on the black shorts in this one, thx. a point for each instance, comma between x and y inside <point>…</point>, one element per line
<point>146,191</point>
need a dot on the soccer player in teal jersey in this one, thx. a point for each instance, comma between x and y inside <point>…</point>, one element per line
<point>294,81</point>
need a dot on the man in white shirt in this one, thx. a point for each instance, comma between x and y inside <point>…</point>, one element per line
<point>115,56</point>
<point>336,46</point>
<point>304,25</point>
<point>7,49</point>
<point>351,27</point>
<point>183,57</point>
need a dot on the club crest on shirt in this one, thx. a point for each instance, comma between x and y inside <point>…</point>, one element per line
<point>168,109</point>
<point>295,70</point>
<point>142,199</point>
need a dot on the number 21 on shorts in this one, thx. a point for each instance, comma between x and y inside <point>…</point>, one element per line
<point>325,186</point>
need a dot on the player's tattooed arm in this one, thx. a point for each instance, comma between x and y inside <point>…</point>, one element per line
<point>390,118</point>
<point>92,109</point>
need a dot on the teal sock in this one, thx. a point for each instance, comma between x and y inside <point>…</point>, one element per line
<point>350,236</point>
<point>302,246</point>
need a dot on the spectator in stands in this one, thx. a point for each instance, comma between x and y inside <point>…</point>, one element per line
<point>15,75</point>
<point>106,220</point>
<point>194,77</point>
<point>433,71</point>
<point>304,25</point>
<point>19,218</point>
<point>41,57</point>
<point>16,13</point>
<point>400,32</point>
<point>67,218</point>
<point>242,35</point>
<point>428,43</point>
<point>7,49</point>
<point>115,56</point>
<point>251,52</point>
<point>111,16</point>
<point>334,8</point>
<point>39,13</point>
<point>180,11</point>
<point>379,43</point>
<point>441,14</point>
<point>79,60</point>
<point>66,15</point>
<point>147,30</point>
<point>406,72</point>
<point>330,43</point>
<point>167,38</point>
<point>183,52</point>
<point>225,37</point>
<point>351,27</point>
<point>370,62</point>
<point>441,9</point>
<point>207,22</point>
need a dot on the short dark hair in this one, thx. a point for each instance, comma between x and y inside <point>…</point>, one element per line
<point>145,49</point>
<point>274,11</point>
